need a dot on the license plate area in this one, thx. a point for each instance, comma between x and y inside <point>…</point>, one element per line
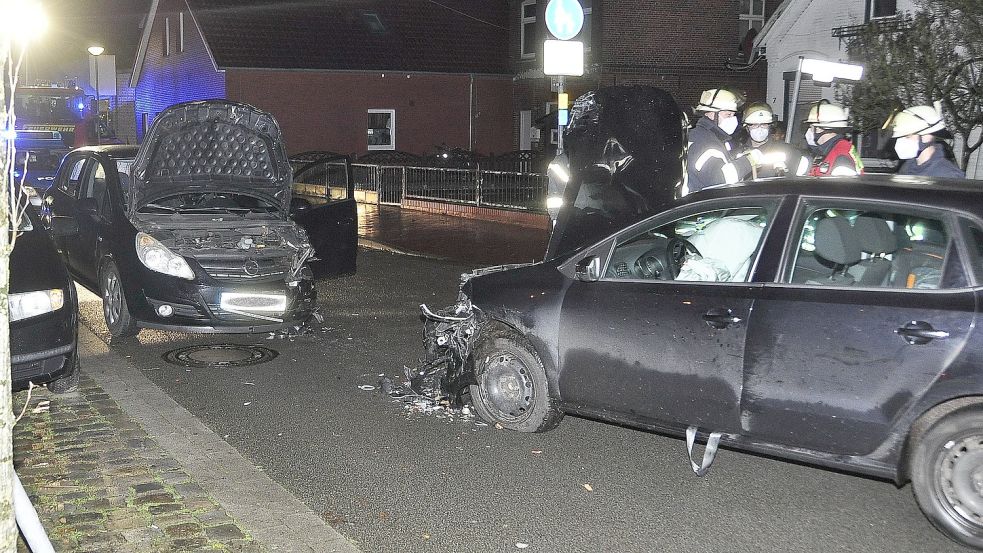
<point>254,303</point>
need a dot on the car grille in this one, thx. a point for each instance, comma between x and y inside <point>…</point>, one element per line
<point>245,270</point>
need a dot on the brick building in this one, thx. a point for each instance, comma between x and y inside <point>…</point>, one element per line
<point>343,75</point>
<point>683,46</point>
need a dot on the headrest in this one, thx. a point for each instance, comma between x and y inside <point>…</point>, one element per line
<point>875,235</point>
<point>836,241</point>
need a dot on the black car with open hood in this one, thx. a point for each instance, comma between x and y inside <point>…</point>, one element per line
<point>190,231</point>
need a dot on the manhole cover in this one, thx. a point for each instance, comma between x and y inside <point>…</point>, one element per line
<point>219,355</point>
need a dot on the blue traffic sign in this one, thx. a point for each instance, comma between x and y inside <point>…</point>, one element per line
<point>564,18</point>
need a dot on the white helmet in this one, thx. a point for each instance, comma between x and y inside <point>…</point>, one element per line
<point>718,99</point>
<point>919,120</point>
<point>827,115</point>
<point>758,113</point>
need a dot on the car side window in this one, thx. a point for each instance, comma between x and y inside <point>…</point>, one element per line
<point>69,183</point>
<point>712,246</point>
<point>874,248</point>
<point>95,187</point>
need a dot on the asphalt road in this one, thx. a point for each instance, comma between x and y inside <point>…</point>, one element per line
<point>394,480</point>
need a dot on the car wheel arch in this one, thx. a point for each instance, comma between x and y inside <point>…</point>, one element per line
<point>925,421</point>
<point>493,326</point>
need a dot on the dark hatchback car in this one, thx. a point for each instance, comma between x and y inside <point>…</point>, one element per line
<point>832,321</point>
<point>191,231</point>
<point>43,313</point>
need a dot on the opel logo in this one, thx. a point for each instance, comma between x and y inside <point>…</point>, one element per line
<point>251,267</point>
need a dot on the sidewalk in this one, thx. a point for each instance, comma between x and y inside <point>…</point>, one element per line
<point>119,467</point>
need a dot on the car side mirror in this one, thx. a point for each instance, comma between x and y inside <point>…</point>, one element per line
<point>63,226</point>
<point>589,269</point>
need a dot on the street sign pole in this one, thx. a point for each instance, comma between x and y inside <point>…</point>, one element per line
<point>560,107</point>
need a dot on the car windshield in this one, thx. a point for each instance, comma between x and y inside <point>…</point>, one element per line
<point>209,203</point>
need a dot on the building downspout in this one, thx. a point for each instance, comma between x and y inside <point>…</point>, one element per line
<point>471,112</point>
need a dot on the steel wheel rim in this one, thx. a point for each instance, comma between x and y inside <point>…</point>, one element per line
<point>959,480</point>
<point>507,387</point>
<point>112,299</point>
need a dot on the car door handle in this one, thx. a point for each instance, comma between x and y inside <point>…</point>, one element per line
<point>720,318</point>
<point>918,333</point>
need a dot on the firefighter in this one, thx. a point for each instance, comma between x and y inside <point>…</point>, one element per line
<point>915,131</point>
<point>833,152</point>
<point>779,159</point>
<point>711,156</point>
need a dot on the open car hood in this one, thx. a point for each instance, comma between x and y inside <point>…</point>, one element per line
<point>211,146</point>
<point>627,154</point>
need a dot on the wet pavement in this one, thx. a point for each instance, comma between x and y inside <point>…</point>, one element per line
<point>465,240</point>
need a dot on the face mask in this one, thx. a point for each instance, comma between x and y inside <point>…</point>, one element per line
<point>728,125</point>
<point>811,137</point>
<point>907,147</point>
<point>758,134</point>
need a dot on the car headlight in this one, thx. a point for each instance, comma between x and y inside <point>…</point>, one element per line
<point>32,304</point>
<point>156,257</point>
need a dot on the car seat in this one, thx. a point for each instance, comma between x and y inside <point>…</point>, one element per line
<point>877,239</point>
<point>836,242</point>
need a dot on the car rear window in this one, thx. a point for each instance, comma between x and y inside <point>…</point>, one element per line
<point>875,248</point>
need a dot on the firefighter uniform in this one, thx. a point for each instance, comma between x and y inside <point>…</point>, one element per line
<point>833,153</point>
<point>779,159</point>
<point>836,157</point>
<point>711,156</point>
<point>915,130</point>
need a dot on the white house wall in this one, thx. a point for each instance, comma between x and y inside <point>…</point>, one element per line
<point>805,28</point>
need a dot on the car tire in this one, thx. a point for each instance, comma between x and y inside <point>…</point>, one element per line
<point>114,308</point>
<point>947,476</point>
<point>69,382</point>
<point>512,389</point>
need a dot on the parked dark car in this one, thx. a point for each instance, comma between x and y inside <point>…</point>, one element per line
<point>40,152</point>
<point>43,313</point>
<point>191,230</point>
<point>832,321</point>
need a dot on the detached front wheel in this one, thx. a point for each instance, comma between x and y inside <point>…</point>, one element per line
<point>512,388</point>
<point>114,308</point>
<point>947,476</point>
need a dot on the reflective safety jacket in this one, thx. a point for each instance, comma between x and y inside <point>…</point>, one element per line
<point>837,158</point>
<point>781,159</point>
<point>710,158</point>
<point>936,166</point>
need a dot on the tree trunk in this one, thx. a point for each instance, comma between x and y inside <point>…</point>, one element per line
<point>8,527</point>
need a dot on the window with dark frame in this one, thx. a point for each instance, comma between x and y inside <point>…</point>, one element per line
<point>750,19</point>
<point>883,8</point>
<point>527,30</point>
<point>381,129</point>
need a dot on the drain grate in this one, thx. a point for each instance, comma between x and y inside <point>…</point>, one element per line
<point>219,356</point>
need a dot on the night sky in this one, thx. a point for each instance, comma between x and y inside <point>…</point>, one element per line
<point>75,25</point>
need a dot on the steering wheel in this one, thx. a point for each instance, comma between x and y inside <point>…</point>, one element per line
<point>676,251</point>
<point>650,265</point>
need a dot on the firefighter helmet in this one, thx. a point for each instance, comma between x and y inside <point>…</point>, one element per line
<point>917,120</point>
<point>758,113</point>
<point>718,99</point>
<point>827,115</point>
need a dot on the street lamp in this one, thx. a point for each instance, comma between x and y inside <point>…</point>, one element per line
<point>822,71</point>
<point>97,51</point>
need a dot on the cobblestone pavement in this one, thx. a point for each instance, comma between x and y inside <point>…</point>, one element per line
<point>100,484</point>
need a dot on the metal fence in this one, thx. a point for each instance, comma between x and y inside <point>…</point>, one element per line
<point>393,184</point>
